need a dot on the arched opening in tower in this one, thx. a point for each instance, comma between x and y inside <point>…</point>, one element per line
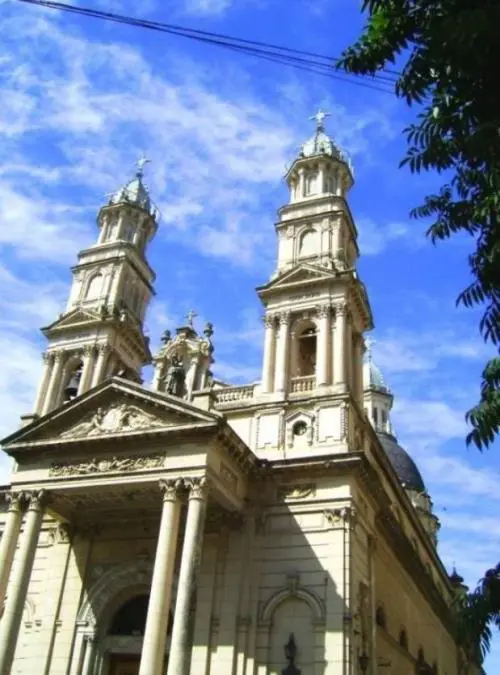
<point>307,347</point>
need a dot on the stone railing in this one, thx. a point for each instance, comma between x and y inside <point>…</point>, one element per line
<point>234,394</point>
<point>303,383</point>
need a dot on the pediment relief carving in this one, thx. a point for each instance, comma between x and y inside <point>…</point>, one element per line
<point>117,418</point>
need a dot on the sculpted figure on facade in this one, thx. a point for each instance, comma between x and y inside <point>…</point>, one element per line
<point>175,378</point>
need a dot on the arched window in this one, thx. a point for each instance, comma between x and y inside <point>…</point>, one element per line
<point>306,364</point>
<point>94,287</point>
<point>403,638</point>
<point>128,232</point>
<point>308,243</point>
<point>73,377</point>
<point>380,617</point>
<point>311,183</point>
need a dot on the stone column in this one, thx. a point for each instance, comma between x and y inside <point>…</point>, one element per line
<point>359,349</point>
<point>54,382</point>
<point>323,346</point>
<point>191,552</point>
<point>339,347</point>
<point>269,353</point>
<point>280,375</point>
<point>88,362</point>
<point>8,543</point>
<point>100,365</point>
<point>302,184</point>
<point>88,657</point>
<point>44,383</point>
<point>153,649</point>
<point>18,587</point>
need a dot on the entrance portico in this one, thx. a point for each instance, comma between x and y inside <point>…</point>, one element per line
<point>133,483</point>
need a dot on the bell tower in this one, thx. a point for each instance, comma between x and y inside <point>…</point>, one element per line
<point>316,308</point>
<point>100,334</point>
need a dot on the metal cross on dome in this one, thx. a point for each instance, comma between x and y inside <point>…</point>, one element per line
<point>141,163</point>
<point>319,118</point>
<point>190,316</point>
<point>369,342</point>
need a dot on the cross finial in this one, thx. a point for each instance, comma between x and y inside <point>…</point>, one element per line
<point>141,163</point>
<point>190,317</point>
<point>319,118</point>
<point>369,342</point>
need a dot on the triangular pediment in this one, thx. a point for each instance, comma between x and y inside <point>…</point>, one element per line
<point>302,274</point>
<point>117,408</point>
<point>74,318</point>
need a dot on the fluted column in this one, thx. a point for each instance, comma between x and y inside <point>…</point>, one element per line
<point>18,586</point>
<point>88,362</point>
<point>54,382</point>
<point>88,657</point>
<point>100,365</point>
<point>191,551</point>
<point>282,353</point>
<point>269,353</point>
<point>339,347</point>
<point>302,184</point>
<point>44,383</point>
<point>8,543</point>
<point>153,649</point>
<point>323,346</point>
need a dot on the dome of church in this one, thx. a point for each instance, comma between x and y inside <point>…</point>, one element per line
<point>320,144</point>
<point>134,192</point>
<point>372,377</point>
<point>406,469</point>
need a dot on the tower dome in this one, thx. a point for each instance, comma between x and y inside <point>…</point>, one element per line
<point>321,143</point>
<point>135,192</point>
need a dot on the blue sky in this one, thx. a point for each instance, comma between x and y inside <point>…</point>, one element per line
<point>82,99</point>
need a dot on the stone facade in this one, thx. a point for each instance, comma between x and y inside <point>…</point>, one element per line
<point>196,528</point>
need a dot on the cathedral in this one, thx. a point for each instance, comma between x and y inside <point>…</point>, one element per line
<point>191,527</point>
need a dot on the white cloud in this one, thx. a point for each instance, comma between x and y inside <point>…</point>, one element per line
<point>376,237</point>
<point>207,6</point>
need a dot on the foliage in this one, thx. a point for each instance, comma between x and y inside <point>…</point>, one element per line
<point>451,60</point>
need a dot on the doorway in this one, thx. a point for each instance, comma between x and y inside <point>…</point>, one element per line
<point>124,664</point>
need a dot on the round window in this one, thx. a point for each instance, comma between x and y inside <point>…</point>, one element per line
<point>299,428</point>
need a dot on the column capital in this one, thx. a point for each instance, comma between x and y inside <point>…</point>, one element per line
<point>15,500</point>
<point>56,356</point>
<point>88,350</point>
<point>171,489</point>
<point>103,349</point>
<point>341,308</point>
<point>198,487</point>
<point>284,317</point>
<point>269,320</point>
<point>37,500</point>
<point>323,311</point>
<point>47,357</point>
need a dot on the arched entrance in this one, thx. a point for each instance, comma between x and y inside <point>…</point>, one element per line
<point>123,642</point>
<point>111,622</point>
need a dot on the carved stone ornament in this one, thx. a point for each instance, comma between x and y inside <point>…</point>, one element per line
<point>347,515</point>
<point>323,311</point>
<point>15,500</point>
<point>198,487</point>
<point>59,534</point>
<point>299,491</point>
<point>37,500</point>
<point>172,488</point>
<point>119,417</point>
<point>106,465</point>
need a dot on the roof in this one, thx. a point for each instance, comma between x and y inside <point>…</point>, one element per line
<point>406,469</point>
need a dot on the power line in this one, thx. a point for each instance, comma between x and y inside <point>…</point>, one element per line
<point>318,64</point>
